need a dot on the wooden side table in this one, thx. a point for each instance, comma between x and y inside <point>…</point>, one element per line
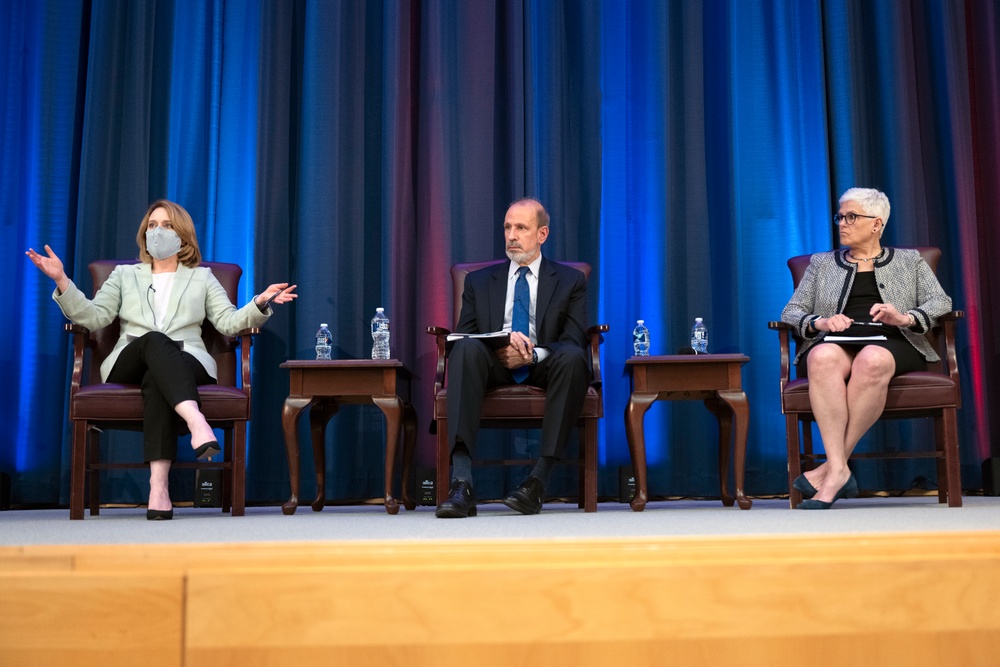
<point>714,378</point>
<point>323,386</point>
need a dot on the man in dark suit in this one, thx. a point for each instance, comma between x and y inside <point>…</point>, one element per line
<point>544,306</point>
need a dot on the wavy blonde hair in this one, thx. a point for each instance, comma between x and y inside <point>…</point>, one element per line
<point>183,225</point>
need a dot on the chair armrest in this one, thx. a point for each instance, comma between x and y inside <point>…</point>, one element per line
<point>946,344</point>
<point>441,334</point>
<point>784,331</point>
<point>81,341</point>
<point>594,339</point>
<point>245,340</point>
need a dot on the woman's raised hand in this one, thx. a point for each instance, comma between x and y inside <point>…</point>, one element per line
<point>50,265</point>
<point>276,293</point>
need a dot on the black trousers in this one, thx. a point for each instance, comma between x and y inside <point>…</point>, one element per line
<point>473,369</point>
<point>167,376</point>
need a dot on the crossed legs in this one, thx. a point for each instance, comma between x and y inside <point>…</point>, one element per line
<point>847,390</point>
<point>169,379</point>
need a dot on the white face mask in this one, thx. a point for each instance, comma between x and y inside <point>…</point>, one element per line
<point>162,243</point>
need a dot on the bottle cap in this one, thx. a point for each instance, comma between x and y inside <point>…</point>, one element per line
<point>697,319</point>
<point>640,321</point>
<point>379,310</point>
<point>323,324</point>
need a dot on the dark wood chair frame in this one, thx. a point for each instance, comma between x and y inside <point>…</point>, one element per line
<point>934,393</point>
<point>518,406</point>
<point>95,406</point>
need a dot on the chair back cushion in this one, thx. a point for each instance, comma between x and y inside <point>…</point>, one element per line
<point>219,346</point>
<point>459,271</point>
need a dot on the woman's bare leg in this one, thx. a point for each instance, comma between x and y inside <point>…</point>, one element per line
<point>159,493</point>
<point>871,371</point>
<point>830,367</point>
<point>201,432</point>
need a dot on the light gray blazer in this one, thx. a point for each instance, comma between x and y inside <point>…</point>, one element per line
<point>903,277</point>
<point>196,295</point>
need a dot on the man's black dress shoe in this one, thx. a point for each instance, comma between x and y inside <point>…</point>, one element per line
<point>208,450</point>
<point>160,515</point>
<point>527,498</point>
<point>804,486</point>
<point>461,501</point>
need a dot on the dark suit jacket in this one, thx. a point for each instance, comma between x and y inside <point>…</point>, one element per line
<point>560,314</point>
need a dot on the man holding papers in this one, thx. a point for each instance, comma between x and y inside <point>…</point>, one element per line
<point>543,306</point>
<point>862,312</point>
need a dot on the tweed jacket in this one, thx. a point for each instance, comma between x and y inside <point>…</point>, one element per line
<point>196,295</point>
<point>904,280</point>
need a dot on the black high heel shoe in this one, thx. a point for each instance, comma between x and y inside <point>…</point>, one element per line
<point>848,490</point>
<point>207,450</point>
<point>804,486</point>
<point>160,515</point>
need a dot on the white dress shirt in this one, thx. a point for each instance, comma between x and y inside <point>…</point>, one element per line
<point>508,309</point>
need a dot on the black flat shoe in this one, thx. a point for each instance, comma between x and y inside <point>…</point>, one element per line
<point>160,515</point>
<point>208,450</point>
<point>848,490</point>
<point>461,502</point>
<point>804,486</point>
<point>527,498</point>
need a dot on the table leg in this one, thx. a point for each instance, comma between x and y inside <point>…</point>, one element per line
<point>319,414</point>
<point>392,408</point>
<point>635,411</point>
<point>725,418</point>
<point>289,420</point>
<point>409,445</point>
<point>737,402</point>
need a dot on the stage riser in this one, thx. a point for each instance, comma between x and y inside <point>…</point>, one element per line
<point>915,599</point>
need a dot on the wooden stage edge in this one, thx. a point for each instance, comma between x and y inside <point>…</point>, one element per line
<point>907,598</point>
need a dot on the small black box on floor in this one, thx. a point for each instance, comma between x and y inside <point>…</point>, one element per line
<point>991,476</point>
<point>426,492</point>
<point>626,484</point>
<point>4,491</point>
<point>208,487</point>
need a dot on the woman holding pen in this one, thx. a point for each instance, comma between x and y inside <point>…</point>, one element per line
<point>862,312</point>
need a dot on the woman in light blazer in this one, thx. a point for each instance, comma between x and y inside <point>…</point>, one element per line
<point>162,302</point>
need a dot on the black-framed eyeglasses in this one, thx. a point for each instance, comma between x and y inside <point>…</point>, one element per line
<point>849,218</point>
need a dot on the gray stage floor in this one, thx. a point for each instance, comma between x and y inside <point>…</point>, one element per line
<point>691,518</point>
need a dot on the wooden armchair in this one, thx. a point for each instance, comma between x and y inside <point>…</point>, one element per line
<point>518,406</point>
<point>935,393</point>
<point>95,407</point>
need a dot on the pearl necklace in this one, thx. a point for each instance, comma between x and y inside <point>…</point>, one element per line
<point>863,259</point>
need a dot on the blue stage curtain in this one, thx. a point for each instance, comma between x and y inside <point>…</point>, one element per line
<point>684,149</point>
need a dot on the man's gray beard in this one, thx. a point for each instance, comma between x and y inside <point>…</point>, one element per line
<point>518,256</point>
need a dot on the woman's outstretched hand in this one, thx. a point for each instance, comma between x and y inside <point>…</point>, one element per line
<point>50,265</point>
<point>276,293</point>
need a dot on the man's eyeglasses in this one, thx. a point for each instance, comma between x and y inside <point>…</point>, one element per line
<point>850,218</point>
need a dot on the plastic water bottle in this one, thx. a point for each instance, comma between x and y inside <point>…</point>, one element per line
<point>640,339</point>
<point>324,341</point>
<point>380,335</point>
<point>699,337</point>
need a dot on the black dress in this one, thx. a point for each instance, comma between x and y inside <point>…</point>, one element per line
<point>864,294</point>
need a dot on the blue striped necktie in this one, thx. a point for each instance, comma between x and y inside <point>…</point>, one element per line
<point>521,315</point>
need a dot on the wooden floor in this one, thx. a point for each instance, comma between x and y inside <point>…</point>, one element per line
<point>903,599</point>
